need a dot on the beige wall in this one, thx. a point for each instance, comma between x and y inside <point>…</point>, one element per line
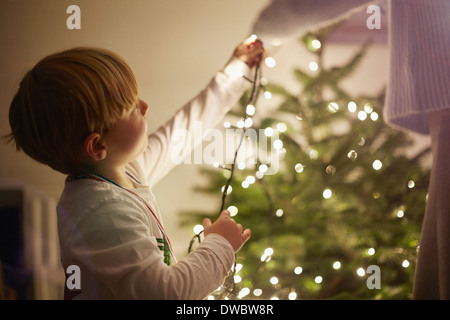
<point>174,47</point>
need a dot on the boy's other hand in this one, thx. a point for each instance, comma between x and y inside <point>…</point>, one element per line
<point>250,51</point>
<point>228,228</point>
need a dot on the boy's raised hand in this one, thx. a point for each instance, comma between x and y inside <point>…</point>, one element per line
<point>250,51</point>
<point>228,228</point>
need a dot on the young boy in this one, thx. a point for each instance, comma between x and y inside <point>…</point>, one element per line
<point>78,111</point>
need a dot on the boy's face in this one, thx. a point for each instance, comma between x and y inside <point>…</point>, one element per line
<point>127,138</point>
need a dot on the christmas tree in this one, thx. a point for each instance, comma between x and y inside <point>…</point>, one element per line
<point>342,216</point>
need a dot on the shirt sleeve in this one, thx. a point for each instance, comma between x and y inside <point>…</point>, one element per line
<point>118,254</point>
<point>283,19</point>
<point>179,136</point>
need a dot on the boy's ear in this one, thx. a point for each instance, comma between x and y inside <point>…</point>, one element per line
<point>94,147</point>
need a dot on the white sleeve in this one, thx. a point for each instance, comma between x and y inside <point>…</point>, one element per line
<point>292,18</point>
<point>205,111</point>
<point>117,248</point>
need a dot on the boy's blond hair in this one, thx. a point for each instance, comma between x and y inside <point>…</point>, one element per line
<point>64,98</point>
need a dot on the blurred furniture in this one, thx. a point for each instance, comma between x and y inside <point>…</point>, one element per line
<point>29,248</point>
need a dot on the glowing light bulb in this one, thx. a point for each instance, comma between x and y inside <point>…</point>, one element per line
<point>313,154</point>
<point>245,291</point>
<point>360,272</point>
<point>277,144</point>
<point>333,107</point>
<point>292,296</point>
<point>233,210</point>
<point>299,167</point>
<point>257,292</point>
<point>318,279</point>
<point>263,168</point>
<point>229,189</point>
<point>316,44</point>
<point>279,213</point>
<point>336,265</point>
<point>282,127</point>
<point>327,193</point>
<point>362,142</point>
<point>248,122</point>
<point>250,179</point>
<point>259,174</point>
<point>274,280</point>
<point>362,115</point>
<point>352,155</point>
<point>198,228</point>
<point>371,251</point>
<point>352,106</point>
<point>330,169</point>
<point>313,66</point>
<point>298,270</point>
<point>266,256</point>
<point>368,108</point>
<point>377,164</point>
<point>268,132</point>
<point>250,109</point>
<point>270,62</point>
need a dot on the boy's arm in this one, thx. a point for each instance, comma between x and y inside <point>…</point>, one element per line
<point>119,249</point>
<point>186,129</point>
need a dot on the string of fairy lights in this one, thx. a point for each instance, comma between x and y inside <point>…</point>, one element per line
<point>230,284</point>
<point>228,289</point>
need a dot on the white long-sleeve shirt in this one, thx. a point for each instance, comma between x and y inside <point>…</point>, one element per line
<point>419,41</point>
<point>112,236</point>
